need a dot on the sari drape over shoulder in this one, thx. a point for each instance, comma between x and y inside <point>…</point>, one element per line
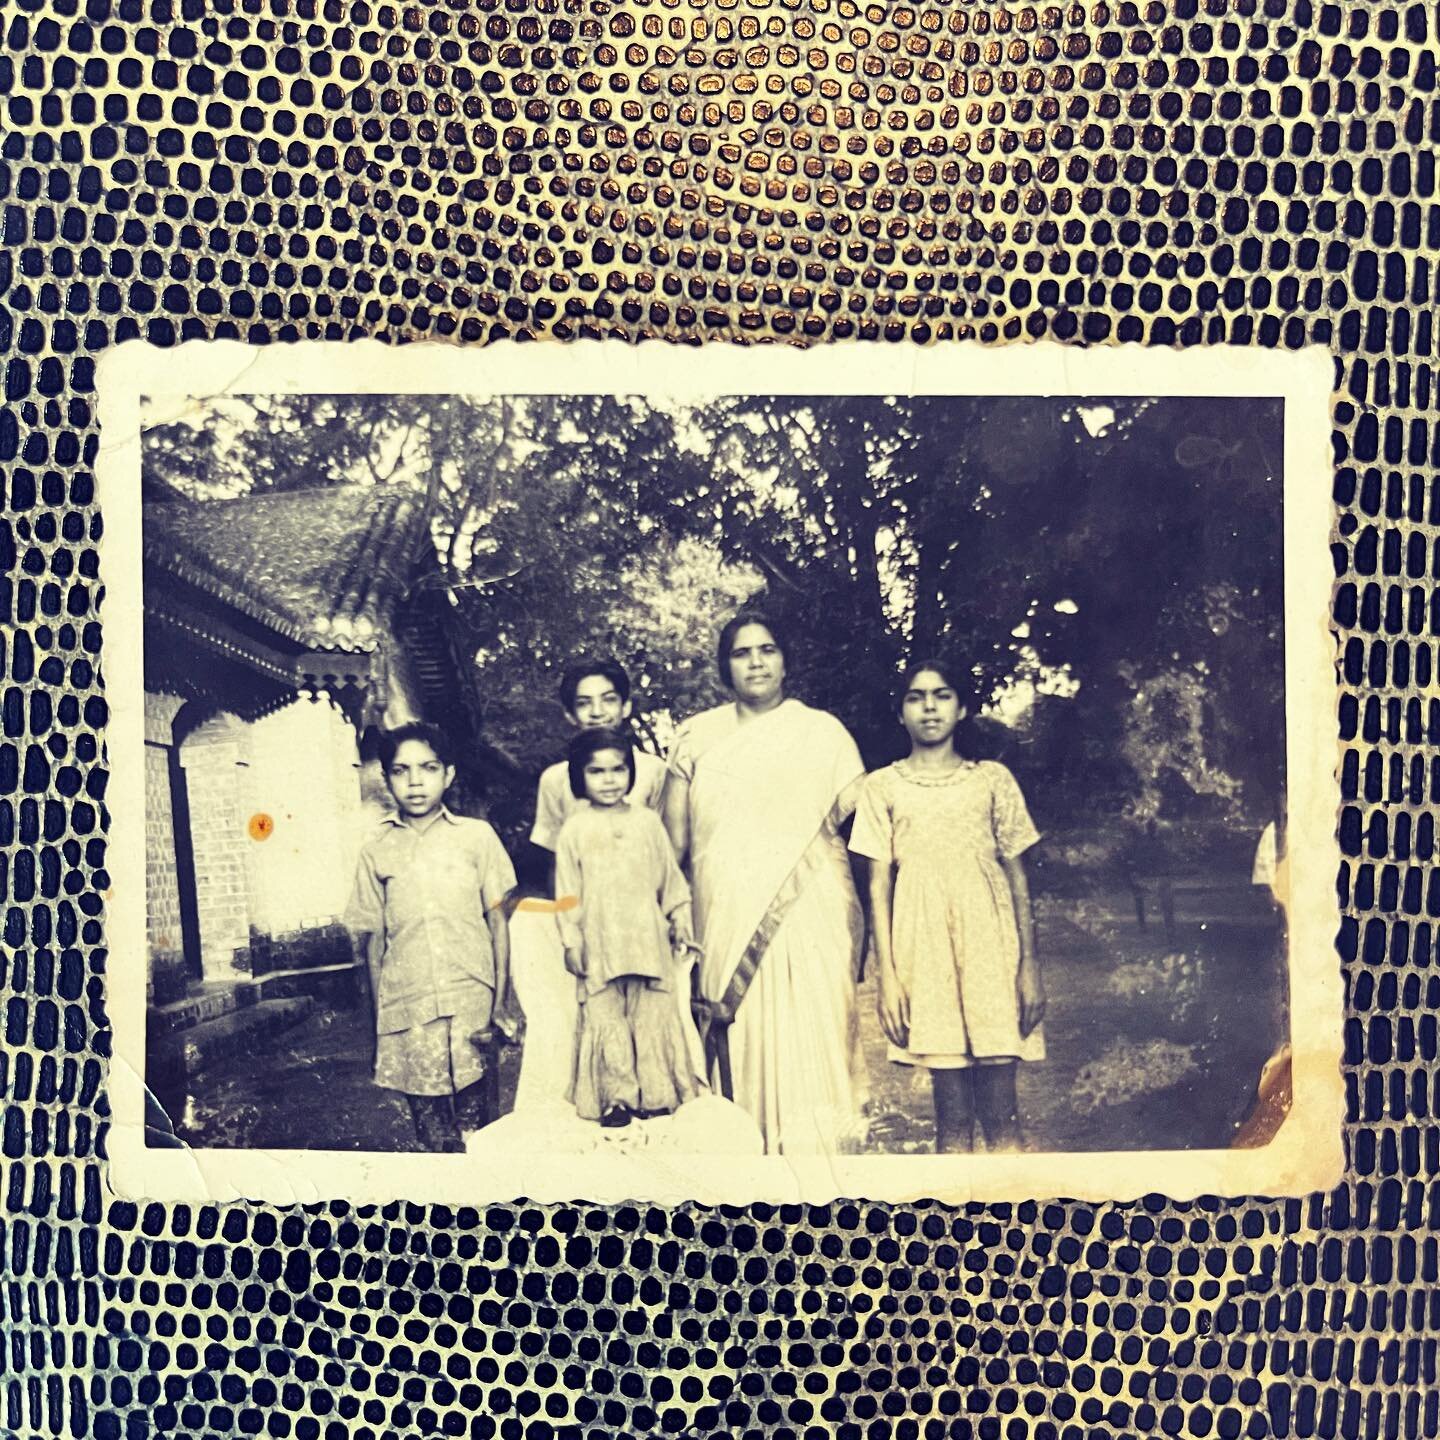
<point>774,896</point>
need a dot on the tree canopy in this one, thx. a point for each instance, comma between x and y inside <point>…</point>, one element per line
<point>1107,570</point>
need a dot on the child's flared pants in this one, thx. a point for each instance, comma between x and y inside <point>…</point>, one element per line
<point>630,1051</point>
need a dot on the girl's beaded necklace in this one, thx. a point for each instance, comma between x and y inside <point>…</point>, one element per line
<point>935,775</point>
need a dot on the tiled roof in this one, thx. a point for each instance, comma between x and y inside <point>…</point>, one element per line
<point>321,566</point>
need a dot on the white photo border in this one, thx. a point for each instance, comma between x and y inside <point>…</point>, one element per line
<point>1306,1154</point>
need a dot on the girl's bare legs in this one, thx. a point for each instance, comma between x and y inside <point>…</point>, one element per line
<point>997,1107</point>
<point>954,1112</point>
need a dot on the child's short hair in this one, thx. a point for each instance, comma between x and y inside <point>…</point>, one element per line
<point>734,626</point>
<point>956,677</point>
<point>612,670</point>
<point>589,743</point>
<point>431,735</point>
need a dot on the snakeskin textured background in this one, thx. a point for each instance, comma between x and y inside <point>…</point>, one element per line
<point>1253,171</point>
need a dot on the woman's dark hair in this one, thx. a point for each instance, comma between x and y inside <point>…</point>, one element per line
<point>589,743</point>
<point>431,735</point>
<point>612,670</point>
<point>958,679</point>
<point>736,624</point>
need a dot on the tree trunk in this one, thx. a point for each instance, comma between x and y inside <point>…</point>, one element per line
<point>929,618</point>
<point>874,622</point>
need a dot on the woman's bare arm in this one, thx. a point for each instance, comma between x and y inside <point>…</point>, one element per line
<point>675,811</point>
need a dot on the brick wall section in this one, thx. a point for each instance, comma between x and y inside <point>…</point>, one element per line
<point>214,759</point>
<point>271,902</point>
<point>162,890</point>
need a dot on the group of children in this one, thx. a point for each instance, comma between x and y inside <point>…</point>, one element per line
<point>959,988</point>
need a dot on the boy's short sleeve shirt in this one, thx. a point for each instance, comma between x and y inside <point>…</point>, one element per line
<point>554,803</point>
<point>428,892</point>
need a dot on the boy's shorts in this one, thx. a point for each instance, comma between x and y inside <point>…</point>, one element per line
<point>438,1057</point>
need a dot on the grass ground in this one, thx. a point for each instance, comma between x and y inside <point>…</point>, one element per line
<point>1149,1046</point>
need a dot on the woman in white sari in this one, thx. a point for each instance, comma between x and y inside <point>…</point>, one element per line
<point>757,792</point>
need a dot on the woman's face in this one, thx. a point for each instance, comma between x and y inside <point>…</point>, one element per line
<point>757,667</point>
<point>930,709</point>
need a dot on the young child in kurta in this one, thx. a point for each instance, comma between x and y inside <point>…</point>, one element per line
<point>960,993</point>
<point>428,900</point>
<point>625,919</point>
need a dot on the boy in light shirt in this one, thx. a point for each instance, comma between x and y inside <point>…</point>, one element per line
<point>428,902</point>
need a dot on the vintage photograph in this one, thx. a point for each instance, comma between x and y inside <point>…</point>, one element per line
<point>753,775</point>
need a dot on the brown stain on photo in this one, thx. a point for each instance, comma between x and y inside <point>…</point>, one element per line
<point>537,905</point>
<point>1272,1104</point>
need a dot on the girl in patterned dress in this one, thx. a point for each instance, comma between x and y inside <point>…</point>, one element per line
<point>960,990</point>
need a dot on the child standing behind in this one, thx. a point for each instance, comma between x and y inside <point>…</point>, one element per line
<point>595,695</point>
<point>624,907</point>
<point>427,899</point>
<point>960,991</point>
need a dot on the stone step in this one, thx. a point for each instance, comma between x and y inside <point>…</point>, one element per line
<point>202,1002</point>
<point>172,1055</point>
<point>317,947</point>
<point>340,985</point>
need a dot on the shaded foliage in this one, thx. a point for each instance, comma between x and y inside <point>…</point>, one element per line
<point>1121,552</point>
<point>1024,537</point>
